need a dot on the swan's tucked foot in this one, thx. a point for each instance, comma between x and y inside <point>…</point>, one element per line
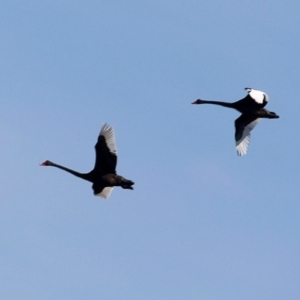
<point>273,115</point>
<point>126,187</point>
<point>127,184</point>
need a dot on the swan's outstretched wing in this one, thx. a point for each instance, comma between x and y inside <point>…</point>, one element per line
<point>243,127</point>
<point>254,100</point>
<point>106,151</point>
<point>258,96</point>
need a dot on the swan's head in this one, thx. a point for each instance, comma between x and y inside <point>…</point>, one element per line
<point>198,101</point>
<point>46,163</point>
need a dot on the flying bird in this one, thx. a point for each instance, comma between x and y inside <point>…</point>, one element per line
<point>252,109</point>
<point>103,176</point>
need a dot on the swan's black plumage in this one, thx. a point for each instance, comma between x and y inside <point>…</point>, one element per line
<point>252,109</point>
<point>103,176</point>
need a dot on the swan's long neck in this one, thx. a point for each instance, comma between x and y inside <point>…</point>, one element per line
<point>75,173</point>
<point>220,103</point>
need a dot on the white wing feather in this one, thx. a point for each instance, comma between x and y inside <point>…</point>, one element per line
<point>108,133</point>
<point>105,192</point>
<point>243,143</point>
<point>258,96</point>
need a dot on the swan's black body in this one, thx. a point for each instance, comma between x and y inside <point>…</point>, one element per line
<point>252,109</point>
<point>103,176</point>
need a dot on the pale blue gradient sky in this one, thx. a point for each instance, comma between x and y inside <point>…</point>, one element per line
<point>202,223</point>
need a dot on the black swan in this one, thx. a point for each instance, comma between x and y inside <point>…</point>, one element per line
<point>252,109</point>
<point>103,176</point>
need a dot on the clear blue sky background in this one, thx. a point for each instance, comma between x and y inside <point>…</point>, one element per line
<point>202,223</point>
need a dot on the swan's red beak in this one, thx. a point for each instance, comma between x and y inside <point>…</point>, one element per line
<point>43,163</point>
<point>195,102</point>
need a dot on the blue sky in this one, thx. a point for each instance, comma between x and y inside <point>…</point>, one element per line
<point>202,223</point>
